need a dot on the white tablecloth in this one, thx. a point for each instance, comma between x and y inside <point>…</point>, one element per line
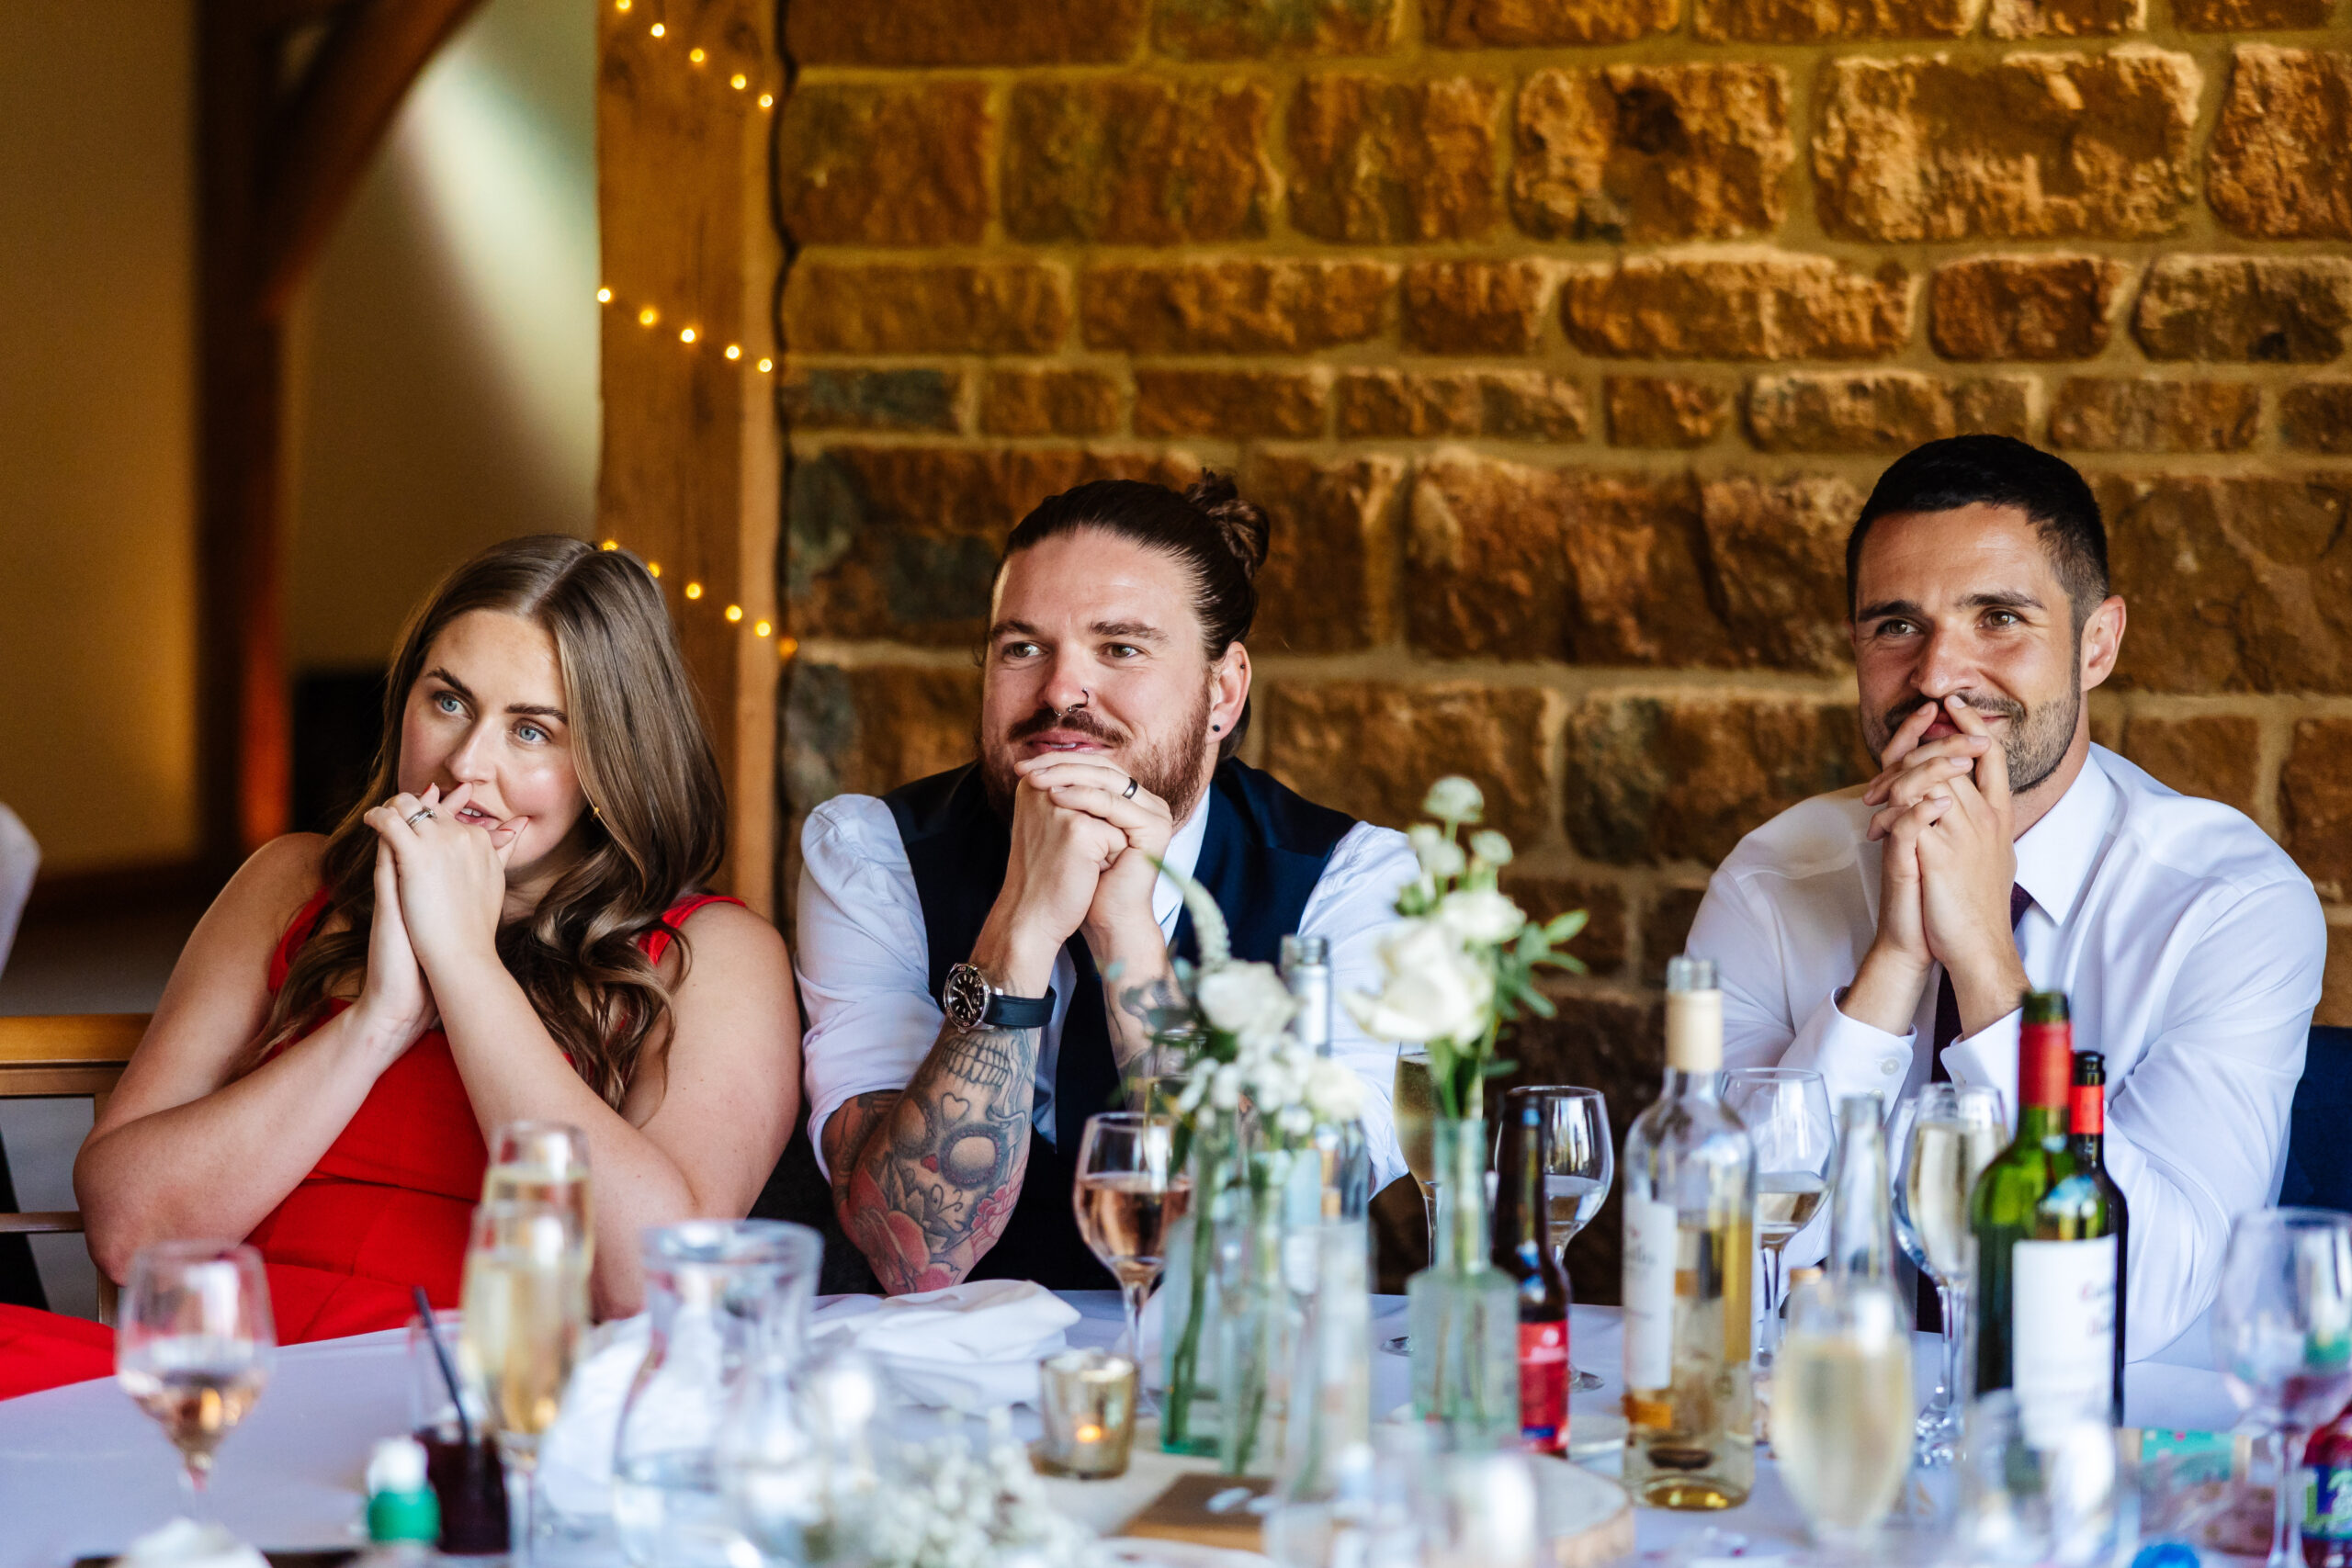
<point>82,1470</point>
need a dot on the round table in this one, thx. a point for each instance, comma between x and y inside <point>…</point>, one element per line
<point>82,1471</point>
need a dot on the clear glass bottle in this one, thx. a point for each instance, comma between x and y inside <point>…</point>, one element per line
<point>1325,1489</point>
<point>1335,1182</point>
<point>1462,1313</point>
<point>1689,1175</point>
<point>722,1296</point>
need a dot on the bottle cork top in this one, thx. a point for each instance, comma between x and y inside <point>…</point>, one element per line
<point>1694,1016</point>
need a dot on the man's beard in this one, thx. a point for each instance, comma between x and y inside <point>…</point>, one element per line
<point>1170,770</point>
<point>2037,741</point>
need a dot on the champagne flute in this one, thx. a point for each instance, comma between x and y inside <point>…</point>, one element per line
<point>1579,1165</point>
<point>542,1162</point>
<point>525,1319</point>
<point>1786,1112</point>
<point>1414,1098</point>
<point>195,1344</point>
<point>1956,1131</point>
<point>1129,1191</point>
<point>1841,1409</point>
<point>2282,1338</point>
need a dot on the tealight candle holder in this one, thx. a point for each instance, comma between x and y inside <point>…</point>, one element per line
<point>1088,1401</point>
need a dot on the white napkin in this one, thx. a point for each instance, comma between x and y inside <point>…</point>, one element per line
<point>576,1453</point>
<point>970,1346</point>
<point>184,1543</point>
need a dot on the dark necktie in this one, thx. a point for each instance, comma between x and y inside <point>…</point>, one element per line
<point>1947,1001</point>
<point>1930,1306</point>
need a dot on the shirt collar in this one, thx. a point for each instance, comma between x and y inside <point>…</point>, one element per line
<point>2055,855</point>
<point>1184,854</point>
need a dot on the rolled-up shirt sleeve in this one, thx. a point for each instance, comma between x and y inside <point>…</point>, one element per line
<point>864,960</point>
<point>2197,1131</point>
<point>1353,904</point>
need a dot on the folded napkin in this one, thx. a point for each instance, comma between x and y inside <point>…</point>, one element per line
<point>970,1346</point>
<point>184,1543</point>
<point>576,1453</point>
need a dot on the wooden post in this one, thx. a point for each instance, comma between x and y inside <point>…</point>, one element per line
<point>692,470</point>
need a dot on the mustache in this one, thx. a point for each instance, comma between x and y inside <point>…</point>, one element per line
<point>1078,721</point>
<point>1990,706</point>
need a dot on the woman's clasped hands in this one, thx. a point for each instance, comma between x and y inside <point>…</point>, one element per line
<point>440,882</point>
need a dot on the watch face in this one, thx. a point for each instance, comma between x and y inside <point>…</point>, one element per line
<point>966,998</point>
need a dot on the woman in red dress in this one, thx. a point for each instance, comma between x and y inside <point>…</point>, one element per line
<point>509,928</point>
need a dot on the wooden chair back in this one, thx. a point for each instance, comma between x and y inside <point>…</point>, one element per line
<point>66,1056</point>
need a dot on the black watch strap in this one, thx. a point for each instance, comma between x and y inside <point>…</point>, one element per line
<point>1018,1012</point>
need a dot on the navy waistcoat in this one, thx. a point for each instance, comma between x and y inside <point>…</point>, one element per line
<point>1262,853</point>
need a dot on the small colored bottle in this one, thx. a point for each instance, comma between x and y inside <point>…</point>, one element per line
<point>403,1517</point>
<point>2328,1496</point>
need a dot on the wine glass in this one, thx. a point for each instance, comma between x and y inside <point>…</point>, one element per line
<point>193,1344</point>
<point>1579,1164</point>
<point>1129,1191</point>
<point>542,1162</point>
<point>1413,1096</point>
<point>1842,1408</point>
<point>2282,1336</point>
<point>1786,1112</point>
<point>525,1319</point>
<point>1956,1132</point>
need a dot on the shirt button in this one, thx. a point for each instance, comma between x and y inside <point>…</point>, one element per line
<point>1886,1068</point>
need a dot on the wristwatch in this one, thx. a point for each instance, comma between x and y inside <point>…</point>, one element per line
<point>971,1002</point>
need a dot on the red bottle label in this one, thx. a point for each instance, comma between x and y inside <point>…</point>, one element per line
<point>2045,1064</point>
<point>2087,1115</point>
<point>1544,1386</point>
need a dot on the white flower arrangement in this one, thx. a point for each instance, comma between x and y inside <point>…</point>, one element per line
<point>1461,961</point>
<point>957,1508</point>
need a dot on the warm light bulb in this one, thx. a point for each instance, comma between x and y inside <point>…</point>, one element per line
<point>738,81</point>
<point>648,316</point>
<point>653,569</point>
<point>620,4</point>
<point>687,335</point>
<point>696,55</point>
<point>1088,1432</point>
<point>761,628</point>
<point>603,296</point>
<point>767,100</point>
<point>610,545</point>
<point>766,366</point>
<point>734,612</point>
<point>659,29</point>
<point>734,351</point>
<point>786,647</point>
<point>694,590</point>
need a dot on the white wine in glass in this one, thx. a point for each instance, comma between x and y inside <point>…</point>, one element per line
<point>1413,1097</point>
<point>543,1162</point>
<point>1956,1131</point>
<point>1786,1202</point>
<point>1129,1191</point>
<point>195,1344</point>
<point>1841,1412</point>
<point>526,1317</point>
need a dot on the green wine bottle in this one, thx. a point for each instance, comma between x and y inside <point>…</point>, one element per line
<point>2045,1257</point>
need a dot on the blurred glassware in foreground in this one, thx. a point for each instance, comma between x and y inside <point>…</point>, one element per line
<point>525,1311</point>
<point>799,1456</point>
<point>1086,1402</point>
<point>460,1452</point>
<point>194,1345</point>
<point>2051,1492</point>
<point>2282,1339</point>
<point>723,1298</point>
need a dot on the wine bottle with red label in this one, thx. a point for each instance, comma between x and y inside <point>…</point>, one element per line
<point>1523,1252</point>
<point>2086,1141</point>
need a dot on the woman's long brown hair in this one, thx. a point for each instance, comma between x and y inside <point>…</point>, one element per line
<point>657,830</point>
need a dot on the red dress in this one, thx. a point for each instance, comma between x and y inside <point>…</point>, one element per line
<point>387,1207</point>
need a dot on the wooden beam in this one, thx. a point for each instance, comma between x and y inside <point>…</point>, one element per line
<point>691,476</point>
<point>348,96</point>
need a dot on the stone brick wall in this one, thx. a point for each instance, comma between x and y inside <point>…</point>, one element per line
<point>1563,338</point>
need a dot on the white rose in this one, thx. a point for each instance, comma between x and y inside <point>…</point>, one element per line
<point>1434,990</point>
<point>1246,1000</point>
<point>1225,1087</point>
<point>1453,799</point>
<point>1333,1093</point>
<point>1480,915</point>
<point>1439,856</point>
<point>1491,846</point>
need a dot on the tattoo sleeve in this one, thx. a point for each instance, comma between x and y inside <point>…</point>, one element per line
<point>924,1178</point>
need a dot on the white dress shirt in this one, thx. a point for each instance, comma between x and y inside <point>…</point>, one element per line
<point>2190,949</point>
<point>863,954</point>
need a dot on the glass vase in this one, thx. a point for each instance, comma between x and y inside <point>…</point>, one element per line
<point>1192,1332</point>
<point>1461,1313</point>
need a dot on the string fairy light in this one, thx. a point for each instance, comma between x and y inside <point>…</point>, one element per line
<point>691,337</point>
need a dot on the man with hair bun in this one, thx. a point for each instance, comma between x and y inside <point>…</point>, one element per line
<point>1884,935</point>
<point>953,935</point>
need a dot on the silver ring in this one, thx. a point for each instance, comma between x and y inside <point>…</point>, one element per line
<point>419,815</point>
<point>1129,793</point>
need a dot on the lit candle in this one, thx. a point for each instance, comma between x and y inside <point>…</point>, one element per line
<point>1088,1401</point>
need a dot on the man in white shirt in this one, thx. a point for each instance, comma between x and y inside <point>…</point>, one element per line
<point>953,936</point>
<point>1884,934</point>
